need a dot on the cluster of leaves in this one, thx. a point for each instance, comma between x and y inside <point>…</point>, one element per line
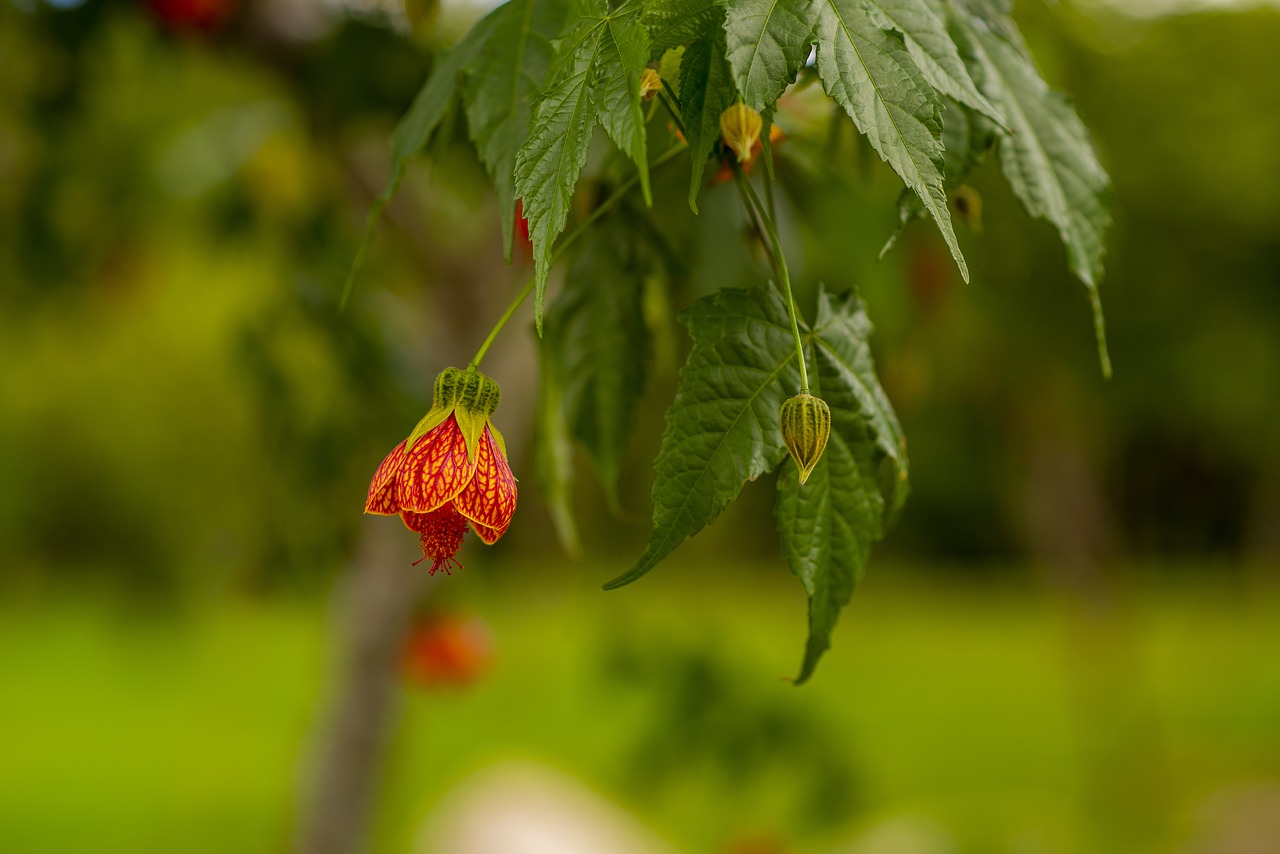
<point>933,85</point>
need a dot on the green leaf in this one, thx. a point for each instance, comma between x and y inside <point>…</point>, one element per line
<point>722,428</point>
<point>624,48</point>
<point>827,526</point>
<point>501,80</point>
<point>411,135</point>
<point>934,52</point>
<point>1048,158</point>
<point>673,23</point>
<point>553,454</point>
<point>598,342</point>
<point>594,78</point>
<point>767,41</point>
<point>967,136</point>
<point>866,68</point>
<point>705,93</point>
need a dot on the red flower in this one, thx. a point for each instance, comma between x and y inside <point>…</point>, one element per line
<point>450,471</point>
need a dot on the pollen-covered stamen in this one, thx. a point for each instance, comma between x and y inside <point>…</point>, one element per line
<point>440,535</point>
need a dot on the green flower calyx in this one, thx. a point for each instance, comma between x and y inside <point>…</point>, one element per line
<point>806,425</point>
<point>470,397</point>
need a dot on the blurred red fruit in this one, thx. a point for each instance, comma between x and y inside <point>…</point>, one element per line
<point>447,649</point>
<point>193,15</point>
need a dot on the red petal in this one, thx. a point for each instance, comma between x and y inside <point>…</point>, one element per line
<point>436,469</point>
<point>382,498</point>
<point>488,535</point>
<point>489,499</point>
<point>416,522</point>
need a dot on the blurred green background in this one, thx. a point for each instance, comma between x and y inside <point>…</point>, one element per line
<point>1071,642</point>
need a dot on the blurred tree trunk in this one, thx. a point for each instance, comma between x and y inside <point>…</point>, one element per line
<point>1067,522</point>
<point>377,598</point>
<point>376,602</point>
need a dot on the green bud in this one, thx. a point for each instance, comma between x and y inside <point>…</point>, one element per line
<point>806,424</point>
<point>650,84</point>
<point>468,390</point>
<point>469,396</point>
<point>740,129</point>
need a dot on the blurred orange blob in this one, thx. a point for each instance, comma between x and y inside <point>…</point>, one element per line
<point>193,15</point>
<point>447,650</point>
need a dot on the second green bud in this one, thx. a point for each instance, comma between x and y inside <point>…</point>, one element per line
<point>806,425</point>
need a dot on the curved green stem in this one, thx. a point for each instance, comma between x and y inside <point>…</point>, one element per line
<point>604,207</point>
<point>761,216</point>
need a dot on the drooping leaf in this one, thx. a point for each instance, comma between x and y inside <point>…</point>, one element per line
<point>767,42</point>
<point>595,78</point>
<point>501,81</point>
<point>673,23</point>
<point>597,340</point>
<point>1048,159</point>
<point>624,48</point>
<point>967,136</point>
<point>412,133</point>
<point>553,454</point>
<point>828,525</point>
<point>934,52</point>
<point>866,68</point>
<point>722,426</point>
<point>705,93</point>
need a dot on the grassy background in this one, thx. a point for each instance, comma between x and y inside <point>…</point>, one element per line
<point>1005,718</point>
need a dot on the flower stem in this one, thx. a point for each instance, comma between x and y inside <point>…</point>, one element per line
<point>762,218</point>
<point>668,97</point>
<point>602,209</point>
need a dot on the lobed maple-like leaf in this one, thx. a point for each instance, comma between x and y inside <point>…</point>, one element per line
<point>675,23</point>
<point>706,91</point>
<point>767,41</point>
<point>722,426</point>
<point>932,49</point>
<point>828,525</point>
<point>1048,159</point>
<point>594,79</point>
<point>866,68</point>
<point>503,77</point>
<point>723,430</point>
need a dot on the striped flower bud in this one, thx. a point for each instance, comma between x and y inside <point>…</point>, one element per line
<point>740,129</point>
<point>650,84</point>
<point>806,424</point>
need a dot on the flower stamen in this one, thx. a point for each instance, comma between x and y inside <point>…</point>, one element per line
<point>440,534</point>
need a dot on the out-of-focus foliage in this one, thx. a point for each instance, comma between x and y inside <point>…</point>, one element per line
<point>181,401</point>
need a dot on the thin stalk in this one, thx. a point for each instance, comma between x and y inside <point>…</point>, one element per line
<point>668,97</point>
<point>779,263</point>
<point>604,207</point>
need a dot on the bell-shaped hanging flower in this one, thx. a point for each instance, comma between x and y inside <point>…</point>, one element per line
<point>451,470</point>
<point>650,84</point>
<point>806,426</point>
<point>740,129</point>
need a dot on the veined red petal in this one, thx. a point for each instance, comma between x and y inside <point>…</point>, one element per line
<point>489,499</point>
<point>488,535</point>
<point>435,470</point>
<point>382,493</point>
